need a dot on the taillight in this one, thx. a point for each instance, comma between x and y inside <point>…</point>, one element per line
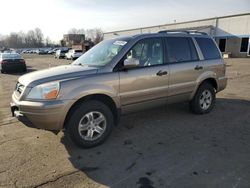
<point>22,61</point>
<point>2,62</point>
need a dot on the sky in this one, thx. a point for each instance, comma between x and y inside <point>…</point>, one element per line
<point>57,17</point>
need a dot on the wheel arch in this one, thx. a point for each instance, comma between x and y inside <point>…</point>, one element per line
<point>107,100</point>
<point>209,80</point>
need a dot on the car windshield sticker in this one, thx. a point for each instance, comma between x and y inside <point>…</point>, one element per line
<point>120,43</point>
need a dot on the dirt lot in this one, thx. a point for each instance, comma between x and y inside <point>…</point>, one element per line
<point>165,147</point>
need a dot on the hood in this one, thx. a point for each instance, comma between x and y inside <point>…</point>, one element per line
<point>56,73</point>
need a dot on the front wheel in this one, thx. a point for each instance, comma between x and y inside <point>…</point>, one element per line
<point>90,124</point>
<point>204,99</point>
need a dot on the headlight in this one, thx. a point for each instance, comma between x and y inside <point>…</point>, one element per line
<point>45,91</point>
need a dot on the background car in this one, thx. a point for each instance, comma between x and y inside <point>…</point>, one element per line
<point>53,51</point>
<point>73,54</point>
<point>12,62</point>
<point>61,53</point>
<point>41,51</point>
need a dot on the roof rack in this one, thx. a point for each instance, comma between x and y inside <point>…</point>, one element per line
<point>183,31</point>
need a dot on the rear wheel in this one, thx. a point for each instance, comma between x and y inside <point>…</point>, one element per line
<point>90,124</point>
<point>204,99</point>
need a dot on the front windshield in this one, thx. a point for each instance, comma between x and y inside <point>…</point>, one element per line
<point>102,54</point>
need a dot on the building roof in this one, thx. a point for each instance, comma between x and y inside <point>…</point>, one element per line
<point>185,22</point>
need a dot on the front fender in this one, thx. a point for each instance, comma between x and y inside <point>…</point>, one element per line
<point>88,90</point>
<point>105,84</point>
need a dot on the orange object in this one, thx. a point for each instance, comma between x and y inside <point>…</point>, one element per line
<point>51,95</point>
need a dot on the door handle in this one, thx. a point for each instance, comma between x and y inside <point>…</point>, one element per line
<point>198,67</point>
<point>161,73</point>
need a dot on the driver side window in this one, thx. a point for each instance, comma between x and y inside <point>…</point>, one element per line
<point>149,52</point>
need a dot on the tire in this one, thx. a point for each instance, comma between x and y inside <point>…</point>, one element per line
<point>25,69</point>
<point>82,113</point>
<point>204,100</point>
<point>2,71</point>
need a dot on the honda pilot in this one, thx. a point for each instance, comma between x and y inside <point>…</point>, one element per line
<point>119,76</point>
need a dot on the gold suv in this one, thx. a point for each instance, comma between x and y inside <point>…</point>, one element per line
<point>119,76</point>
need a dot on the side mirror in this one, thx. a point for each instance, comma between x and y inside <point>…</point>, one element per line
<point>131,63</point>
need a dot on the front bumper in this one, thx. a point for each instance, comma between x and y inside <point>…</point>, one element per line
<point>48,115</point>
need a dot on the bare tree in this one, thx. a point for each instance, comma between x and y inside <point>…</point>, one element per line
<point>47,41</point>
<point>76,31</point>
<point>72,31</point>
<point>96,35</point>
<point>62,43</point>
<point>13,40</point>
<point>39,37</point>
<point>31,39</point>
<point>22,36</point>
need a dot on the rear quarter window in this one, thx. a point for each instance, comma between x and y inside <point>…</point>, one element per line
<point>208,48</point>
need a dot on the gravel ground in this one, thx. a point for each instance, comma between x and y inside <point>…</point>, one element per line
<point>163,147</point>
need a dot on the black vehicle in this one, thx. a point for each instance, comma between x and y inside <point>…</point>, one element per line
<point>12,62</point>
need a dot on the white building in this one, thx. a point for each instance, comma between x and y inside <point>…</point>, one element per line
<point>232,32</point>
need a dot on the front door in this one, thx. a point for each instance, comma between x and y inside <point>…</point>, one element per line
<point>149,81</point>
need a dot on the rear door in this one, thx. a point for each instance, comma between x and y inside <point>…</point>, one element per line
<point>185,66</point>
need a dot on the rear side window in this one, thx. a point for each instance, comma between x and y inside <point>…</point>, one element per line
<point>180,49</point>
<point>208,48</point>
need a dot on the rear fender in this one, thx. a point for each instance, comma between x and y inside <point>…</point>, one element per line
<point>202,78</point>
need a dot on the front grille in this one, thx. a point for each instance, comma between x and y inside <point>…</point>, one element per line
<point>19,89</point>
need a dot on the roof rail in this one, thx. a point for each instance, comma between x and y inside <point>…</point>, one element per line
<point>183,31</point>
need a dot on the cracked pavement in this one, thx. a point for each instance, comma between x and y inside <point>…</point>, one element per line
<point>162,147</point>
